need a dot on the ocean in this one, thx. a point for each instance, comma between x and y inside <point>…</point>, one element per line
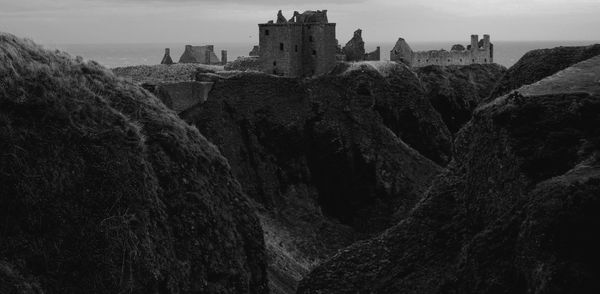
<point>506,53</point>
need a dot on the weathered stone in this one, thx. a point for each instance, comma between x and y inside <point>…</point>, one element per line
<point>458,47</point>
<point>479,52</point>
<point>167,58</point>
<point>355,48</point>
<point>255,51</point>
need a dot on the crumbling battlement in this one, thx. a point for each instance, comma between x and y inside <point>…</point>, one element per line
<point>304,45</point>
<point>355,49</point>
<point>479,52</point>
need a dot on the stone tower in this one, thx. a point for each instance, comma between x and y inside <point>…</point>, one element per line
<point>305,45</point>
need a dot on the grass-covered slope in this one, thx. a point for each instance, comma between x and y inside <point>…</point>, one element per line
<point>104,190</point>
<point>455,91</point>
<point>517,211</point>
<point>541,63</point>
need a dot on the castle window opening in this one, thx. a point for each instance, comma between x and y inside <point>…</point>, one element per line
<point>473,60</point>
<point>266,32</point>
<point>314,52</point>
<point>485,60</point>
<point>448,60</point>
<point>461,60</point>
<point>296,48</point>
<point>274,63</point>
<point>280,46</point>
<point>310,38</point>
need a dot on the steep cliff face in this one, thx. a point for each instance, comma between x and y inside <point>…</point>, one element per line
<point>538,64</point>
<point>515,212</point>
<point>320,156</point>
<point>105,190</point>
<point>455,91</point>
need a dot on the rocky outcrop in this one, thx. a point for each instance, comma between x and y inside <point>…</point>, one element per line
<point>105,190</point>
<point>538,64</point>
<point>515,213</point>
<point>321,156</point>
<point>455,91</point>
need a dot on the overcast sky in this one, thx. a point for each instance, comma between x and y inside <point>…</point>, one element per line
<point>206,21</point>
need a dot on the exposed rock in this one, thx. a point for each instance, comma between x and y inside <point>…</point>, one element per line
<point>458,47</point>
<point>455,91</point>
<point>516,212</point>
<point>181,96</point>
<point>105,190</point>
<point>355,48</point>
<point>538,64</point>
<point>320,156</point>
<point>244,64</point>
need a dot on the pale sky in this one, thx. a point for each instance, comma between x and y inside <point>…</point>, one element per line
<point>207,21</point>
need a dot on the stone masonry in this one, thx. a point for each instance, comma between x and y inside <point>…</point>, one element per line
<point>479,52</point>
<point>304,45</point>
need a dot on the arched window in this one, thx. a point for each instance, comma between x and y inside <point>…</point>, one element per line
<point>280,46</point>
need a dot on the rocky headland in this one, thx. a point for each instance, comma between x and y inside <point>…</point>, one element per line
<point>373,178</point>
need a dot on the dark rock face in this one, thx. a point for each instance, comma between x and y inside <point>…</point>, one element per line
<point>515,213</point>
<point>320,156</point>
<point>455,91</point>
<point>104,190</point>
<point>538,64</point>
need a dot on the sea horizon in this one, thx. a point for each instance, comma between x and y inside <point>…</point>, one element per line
<point>111,55</point>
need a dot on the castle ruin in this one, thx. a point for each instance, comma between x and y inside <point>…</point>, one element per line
<point>202,55</point>
<point>479,52</point>
<point>304,45</point>
<point>355,49</point>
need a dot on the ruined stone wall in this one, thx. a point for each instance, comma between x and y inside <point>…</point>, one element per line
<point>373,56</point>
<point>479,52</point>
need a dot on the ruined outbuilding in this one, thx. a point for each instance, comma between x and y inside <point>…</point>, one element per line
<point>167,58</point>
<point>479,52</point>
<point>202,55</point>
<point>355,49</point>
<point>304,45</point>
<point>255,52</point>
